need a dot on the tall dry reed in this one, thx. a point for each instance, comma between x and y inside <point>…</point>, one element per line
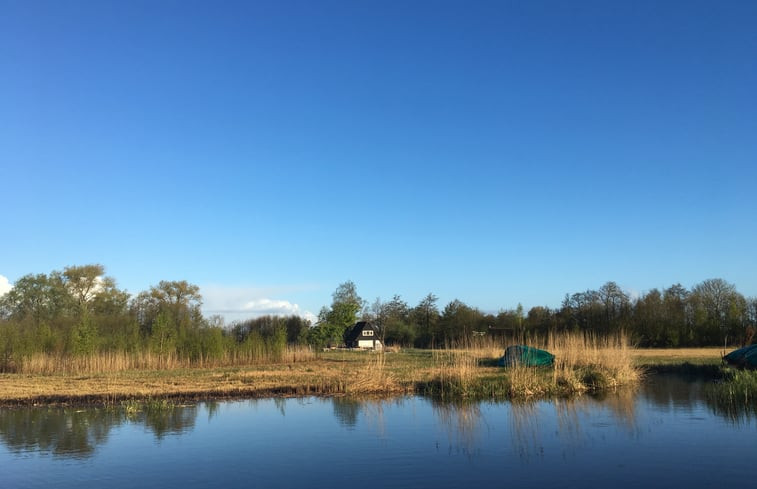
<point>592,360</point>
<point>373,378</point>
<point>582,362</point>
<point>48,364</point>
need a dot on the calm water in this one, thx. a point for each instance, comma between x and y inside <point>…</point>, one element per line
<point>664,435</point>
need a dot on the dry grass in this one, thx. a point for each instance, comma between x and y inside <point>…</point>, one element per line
<point>583,360</point>
<point>664,356</point>
<point>46,364</point>
<point>583,363</point>
<point>374,379</point>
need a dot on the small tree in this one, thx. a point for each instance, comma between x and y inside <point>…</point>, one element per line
<point>163,336</point>
<point>84,337</point>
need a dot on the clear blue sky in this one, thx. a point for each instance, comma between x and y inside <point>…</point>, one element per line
<point>495,152</point>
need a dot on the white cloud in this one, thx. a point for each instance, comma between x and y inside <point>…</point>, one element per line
<point>271,306</point>
<point>240,303</point>
<point>5,285</point>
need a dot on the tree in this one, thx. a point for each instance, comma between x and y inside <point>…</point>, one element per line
<point>677,315</point>
<point>82,283</point>
<point>615,303</point>
<point>163,336</point>
<point>426,316</point>
<point>345,306</point>
<point>346,293</point>
<point>457,322</point>
<point>541,320</point>
<point>377,315</point>
<point>36,298</point>
<point>84,337</point>
<point>650,327</point>
<point>180,300</point>
<point>720,310</point>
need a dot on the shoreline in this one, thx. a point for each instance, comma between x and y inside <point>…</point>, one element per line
<point>339,374</point>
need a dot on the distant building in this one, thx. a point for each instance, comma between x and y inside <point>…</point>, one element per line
<point>363,335</point>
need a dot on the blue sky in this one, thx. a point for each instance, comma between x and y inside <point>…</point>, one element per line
<point>494,152</point>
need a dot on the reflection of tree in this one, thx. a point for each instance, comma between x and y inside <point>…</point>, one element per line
<point>670,390</point>
<point>77,433</point>
<point>621,404</point>
<point>62,432</point>
<point>212,407</point>
<point>346,411</point>
<point>172,420</point>
<point>280,405</point>
<point>684,391</point>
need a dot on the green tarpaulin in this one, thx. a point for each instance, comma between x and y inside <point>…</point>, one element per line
<point>743,357</point>
<point>527,356</point>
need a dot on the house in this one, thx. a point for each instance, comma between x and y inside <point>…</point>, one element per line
<point>363,335</point>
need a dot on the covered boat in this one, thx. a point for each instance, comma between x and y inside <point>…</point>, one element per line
<point>527,356</point>
<point>743,357</point>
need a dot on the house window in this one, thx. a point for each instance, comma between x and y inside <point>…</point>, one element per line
<point>368,332</point>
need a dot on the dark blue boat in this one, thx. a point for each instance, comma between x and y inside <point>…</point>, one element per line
<point>527,356</point>
<point>743,357</point>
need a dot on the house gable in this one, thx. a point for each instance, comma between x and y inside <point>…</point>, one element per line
<point>363,335</point>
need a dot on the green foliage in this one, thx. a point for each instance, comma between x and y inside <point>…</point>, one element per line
<point>333,322</point>
<point>163,336</point>
<point>277,343</point>
<point>84,337</point>
<point>81,311</point>
<point>212,343</point>
<point>326,334</point>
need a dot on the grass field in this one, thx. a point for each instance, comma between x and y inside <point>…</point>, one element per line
<point>696,356</point>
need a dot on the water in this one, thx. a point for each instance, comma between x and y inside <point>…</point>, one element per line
<point>663,435</point>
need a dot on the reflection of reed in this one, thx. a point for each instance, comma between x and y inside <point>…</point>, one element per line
<point>462,421</point>
<point>622,405</point>
<point>373,411</point>
<point>568,422</point>
<point>527,434</point>
<point>734,397</point>
<point>524,429</point>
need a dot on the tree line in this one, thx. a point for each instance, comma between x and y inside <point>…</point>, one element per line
<point>712,313</point>
<point>81,311</point>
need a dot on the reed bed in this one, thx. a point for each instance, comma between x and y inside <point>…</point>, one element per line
<point>374,378</point>
<point>460,372</point>
<point>735,395</point>
<point>583,362</point>
<point>591,362</point>
<point>106,362</point>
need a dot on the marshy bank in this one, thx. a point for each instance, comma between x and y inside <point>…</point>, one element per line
<point>583,364</point>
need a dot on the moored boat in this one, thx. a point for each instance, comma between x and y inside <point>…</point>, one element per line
<point>745,357</point>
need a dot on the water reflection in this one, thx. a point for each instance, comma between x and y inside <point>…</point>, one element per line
<point>346,410</point>
<point>463,423</point>
<point>173,421</point>
<point>61,432</point>
<point>527,427</point>
<point>76,433</point>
